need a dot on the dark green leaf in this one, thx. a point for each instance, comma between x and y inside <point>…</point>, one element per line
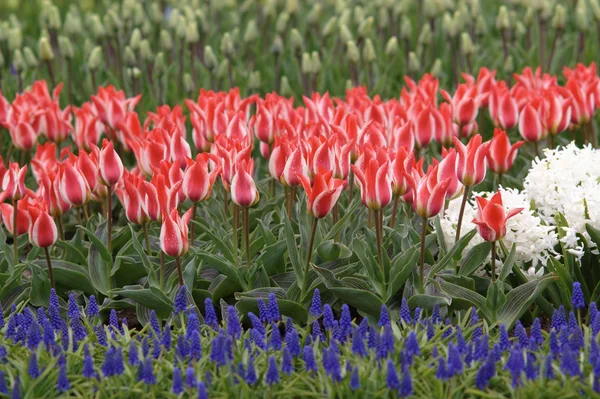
<point>292,248</point>
<point>425,301</point>
<point>99,260</point>
<point>40,286</point>
<point>455,250</point>
<point>151,298</point>
<point>287,308</point>
<point>508,263</point>
<point>475,257</point>
<point>210,260</point>
<point>402,267</point>
<point>495,299</point>
<point>457,292</point>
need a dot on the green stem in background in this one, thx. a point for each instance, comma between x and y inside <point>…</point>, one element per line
<point>193,229</point>
<point>147,238</point>
<point>551,141</point>
<point>378,235</point>
<point>235,232</point>
<point>245,212</point>
<point>50,271</point>
<point>336,218</point>
<point>493,261</point>
<point>422,258</point>
<point>313,232</point>
<point>61,229</point>
<point>179,273</point>
<point>462,211</point>
<point>350,187</point>
<point>394,211</point>
<point>108,215</point>
<point>162,270</point>
<point>15,232</point>
<point>292,197</point>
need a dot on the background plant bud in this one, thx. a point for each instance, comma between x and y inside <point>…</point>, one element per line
<point>436,68</point>
<point>254,80</point>
<point>406,28</point>
<point>129,57</point>
<point>96,59</point>
<point>425,35</point>
<point>466,45</point>
<point>18,61</point>
<point>509,65</point>
<point>223,69</point>
<point>188,83</point>
<point>480,26</point>
<point>112,20</point>
<point>414,65</point>
<point>391,47</point>
<point>135,39</point>
<point>3,30</point>
<point>174,19</point>
<point>53,17</point>
<point>594,4</point>
<point>365,27</point>
<point>296,41</point>
<point>344,17</point>
<point>227,45</point>
<point>581,18</point>
<point>251,33</point>
<point>210,59</point>
<point>358,13</point>
<point>72,25</point>
<point>15,39</point>
<point>560,16</point>
<point>284,86</point>
<point>315,61</point>
<point>88,46</point>
<point>30,59</point>
<point>45,49</point>
<point>96,27</point>
<point>430,9</point>
<point>277,46</point>
<point>291,6</point>
<point>352,52</point>
<point>281,25</point>
<point>181,29</point>
<point>202,21</point>
<point>306,64</point>
<point>448,25</point>
<point>314,15</point>
<point>155,13</point>
<point>520,30</point>
<point>166,42</point>
<point>2,62</point>
<point>191,33</point>
<point>383,18</point>
<point>369,54</point>
<point>502,21</point>
<point>529,17</point>
<point>146,53</point>
<point>345,34</point>
<point>159,63</point>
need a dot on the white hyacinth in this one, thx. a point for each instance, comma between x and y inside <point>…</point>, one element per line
<point>566,181</point>
<point>533,239</point>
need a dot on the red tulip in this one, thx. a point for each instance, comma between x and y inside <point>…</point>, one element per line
<point>243,188</point>
<point>294,166</point>
<point>42,232</point>
<point>23,219</point>
<point>428,196</point>
<point>174,239</point>
<point>110,164</point>
<point>501,154</point>
<point>491,217</point>
<point>198,181</point>
<point>402,163</point>
<point>470,165</point>
<point>374,181</point>
<point>557,115</point>
<point>465,104</point>
<point>504,110</point>
<point>87,127</point>
<point>72,185</point>
<point>13,183</point>
<point>23,136</point>
<point>425,127</point>
<point>278,157</point>
<point>530,124</point>
<point>88,166</point>
<point>130,193</point>
<point>262,123</point>
<point>323,194</point>
<point>50,192</point>
<point>446,169</point>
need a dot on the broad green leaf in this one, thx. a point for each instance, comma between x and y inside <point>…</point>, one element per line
<point>440,236</point>
<point>402,267</point>
<point>457,292</point>
<point>40,286</point>
<point>520,298</point>
<point>213,238</point>
<point>370,265</point>
<point>210,260</point>
<point>287,308</point>
<point>69,274</point>
<point>72,252</point>
<point>495,299</point>
<point>475,257</point>
<point>447,258</point>
<point>151,298</point>
<point>292,248</point>
<point>152,277</point>
<point>508,263</point>
<point>272,258</point>
<point>564,282</point>
<point>343,221</point>
<point>425,301</point>
<point>99,260</point>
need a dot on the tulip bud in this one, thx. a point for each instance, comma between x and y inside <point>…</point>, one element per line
<point>529,17</point>
<point>166,42</point>
<point>594,4</point>
<point>145,51</point>
<point>72,25</point>
<point>406,28</point>
<point>383,18</point>
<point>296,41</point>
<point>155,13</point>
<point>281,25</point>
<point>112,23</point>
<point>30,58</point>
<point>414,65</point>
<point>560,16</point>
<point>53,17</point>
<point>429,9</point>
<point>135,39</point>
<point>391,48</point>
<point>315,62</point>
<point>329,26</point>
<point>520,30</point>
<point>291,6</point>
<point>95,59</point>
<point>159,63</point>
<point>96,27</point>
<point>129,56</point>
<point>277,46</point>
<point>480,26</point>
<point>254,80</point>
<point>227,45</point>
<point>223,69</point>
<point>448,26</point>
<point>188,83</point>
<point>436,69</point>
<point>581,19</point>
<point>466,47</point>
<point>285,88</point>
<point>509,65</point>
<point>210,59</point>
<point>306,64</point>
<point>65,47</point>
<point>365,27</point>
<point>369,52</point>
<point>502,20</point>
<point>345,34</point>
<point>314,15</point>
<point>191,33</point>
<point>425,35</point>
<point>251,33</point>
<point>2,62</point>
<point>45,49</point>
<point>359,14</point>
<point>18,61</point>
<point>15,39</point>
<point>352,52</point>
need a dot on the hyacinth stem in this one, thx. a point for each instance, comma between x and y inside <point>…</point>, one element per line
<point>108,215</point>
<point>235,232</point>
<point>378,235</point>
<point>193,228</point>
<point>493,261</point>
<point>394,211</point>
<point>50,271</point>
<point>462,211</point>
<point>313,232</point>
<point>162,270</point>
<point>179,273</point>
<point>422,258</point>
<point>245,212</point>
<point>146,238</point>
<point>15,232</point>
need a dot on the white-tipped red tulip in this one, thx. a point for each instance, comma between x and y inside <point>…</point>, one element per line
<point>245,195</point>
<point>43,234</point>
<point>174,239</point>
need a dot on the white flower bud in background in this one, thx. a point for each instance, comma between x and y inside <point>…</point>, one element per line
<point>96,59</point>
<point>277,46</point>
<point>430,9</point>
<point>3,30</point>
<point>594,4</point>
<point>314,15</point>
<point>480,26</point>
<point>560,17</point>
<point>129,56</point>
<point>406,28</point>
<point>286,89</point>
<point>365,27</point>
<point>502,21</point>
<point>135,39</point>
<point>436,68</point>
<point>203,24</point>
<point>227,45</point>
<point>291,6</point>
<point>296,41</point>
<point>509,65</point>
<point>155,13</point>
<point>251,33</point>
<point>188,83</point>
<point>414,65</point>
<point>529,17</point>
<point>159,63</point>
<point>181,29</point>
<point>18,61</point>
<point>45,51</point>
<point>191,33</point>
<point>344,17</point>
<point>15,39</point>
<point>581,18</point>
<point>30,59</point>
<point>88,46</point>
<point>391,48</point>
<point>223,69</point>
<point>254,80</point>
<point>2,62</point>
<point>146,53</point>
<point>352,52</point>
<point>383,18</point>
<point>173,21</point>
<point>306,64</point>
<point>112,21</point>
<point>281,25</point>
<point>448,26</point>
<point>96,27</point>
<point>166,42</point>
<point>65,47</point>
<point>466,45</point>
<point>315,61</point>
<point>425,35</point>
<point>345,34</point>
<point>127,7</point>
<point>73,24</point>
<point>369,54</point>
<point>475,9</point>
<point>349,84</point>
<point>53,17</point>
<point>329,26</point>
<point>210,59</point>
<point>520,30</point>
<point>359,14</point>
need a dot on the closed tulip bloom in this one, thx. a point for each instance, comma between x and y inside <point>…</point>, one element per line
<point>263,125</point>
<point>323,194</point>
<point>491,217</point>
<point>278,158</point>
<point>401,164</point>
<point>294,166</point>
<point>23,136</point>
<point>375,183</point>
<point>446,169</point>
<point>174,233</point>
<point>558,112</point>
<point>110,164</point>
<point>42,232</point>
<point>506,110</point>
<point>13,183</point>
<point>501,154</point>
<point>243,188</point>
<point>465,104</point>
<point>470,163</point>
<point>130,196</point>
<point>87,164</point>
<point>72,185</point>
<point>530,124</point>
<point>428,198</point>
<point>23,219</point>
<point>51,194</point>
<point>198,181</point>
<point>424,127</point>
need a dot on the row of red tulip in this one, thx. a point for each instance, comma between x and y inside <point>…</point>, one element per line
<point>315,146</point>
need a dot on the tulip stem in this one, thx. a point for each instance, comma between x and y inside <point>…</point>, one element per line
<point>147,238</point>
<point>246,221</point>
<point>422,260</point>
<point>15,232</point>
<point>336,218</point>
<point>350,187</point>
<point>394,211</point>
<point>291,199</point>
<point>378,235</point>
<point>50,271</point>
<point>235,232</point>
<point>536,148</point>
<point>493,261</point>
<point>313,232</point>
<point>61,229</point>
<point>193,229</point>
<point>462,211</point>
<point>162,270</point>
<point>499,179</point>
<point>108,216</point>
<point>179,273</point>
